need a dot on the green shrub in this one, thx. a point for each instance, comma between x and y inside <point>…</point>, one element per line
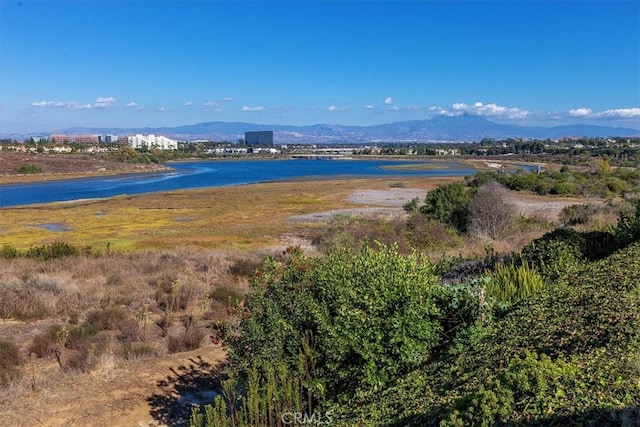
<point>373,315</point>
<point>562,250</point>
<point>52,251</point>
<point>29,168</point>
<point>627,230</point>
<point>555,253</point>
<point>9,252</point>
<point>530,388</point>
<point>448,203</point>
<point>424,233</point>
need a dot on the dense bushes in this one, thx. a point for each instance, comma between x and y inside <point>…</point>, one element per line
<point>566,355</point>
<point>373,316</point>
<point>601,182</point>
<point>44,252</point>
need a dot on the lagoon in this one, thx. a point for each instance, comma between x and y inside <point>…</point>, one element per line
<point>201,174</point>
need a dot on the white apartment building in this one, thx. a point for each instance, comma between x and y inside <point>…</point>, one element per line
<point>153,141</point>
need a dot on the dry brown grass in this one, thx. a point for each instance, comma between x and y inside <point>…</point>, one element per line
<point>119,307</point>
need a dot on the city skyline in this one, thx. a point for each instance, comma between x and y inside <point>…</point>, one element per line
<point>147,63</point>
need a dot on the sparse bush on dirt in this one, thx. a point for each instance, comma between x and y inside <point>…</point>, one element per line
<point>138,350</point>
<point>10,361</point>
<point>185,340</point>
<point>579,214</point>
<point>21,303</point>
<point>489,212</point>
<point>245,267</point>
<point>45,343</point>
<point>225,295</point>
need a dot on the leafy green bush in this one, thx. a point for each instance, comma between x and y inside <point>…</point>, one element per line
<point>373,315</point>
<point>555,253</point>
<point>448,203</point>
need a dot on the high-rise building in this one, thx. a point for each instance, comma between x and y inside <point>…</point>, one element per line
<point>262,138</point>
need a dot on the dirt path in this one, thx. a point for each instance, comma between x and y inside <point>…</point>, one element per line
<point>150,392</point>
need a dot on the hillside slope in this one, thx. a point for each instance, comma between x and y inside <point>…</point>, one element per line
<point>567,356</point>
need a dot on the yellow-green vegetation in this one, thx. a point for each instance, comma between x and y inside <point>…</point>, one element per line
<point>243,217</point>
<point>510,283</point>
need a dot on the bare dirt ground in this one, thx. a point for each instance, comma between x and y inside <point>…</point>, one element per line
<point>380,203</point>
<point>149,392</point>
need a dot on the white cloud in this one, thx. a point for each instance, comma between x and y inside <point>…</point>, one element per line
<point>481,109</point>
<point>131,104</point>
<point>78,106</point>
<point>368,107</point>
<point>105,102</point>
<point>49,104</point>
<point>334,108</point>
<point>161,109</point>
<point>101,102</point>
<point>394,108</point>
<point>388,101</point>
<point>495,110</point>
<point>247,109</point>
<point>211,104</point>
<point>227,99</point>
<point>580,112</point>
<point>620,113</point>
<point>441,111</point>
<point>187,104</point>
<point>414,108</point>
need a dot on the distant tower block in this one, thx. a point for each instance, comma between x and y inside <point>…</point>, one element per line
<point>263,138</point>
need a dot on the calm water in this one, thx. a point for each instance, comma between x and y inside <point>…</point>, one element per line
<point>206,174</point>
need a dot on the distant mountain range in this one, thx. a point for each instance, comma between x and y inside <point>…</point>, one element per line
<point>438,129</point>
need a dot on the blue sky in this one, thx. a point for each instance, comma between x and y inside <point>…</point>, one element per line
<point>137,63</point>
